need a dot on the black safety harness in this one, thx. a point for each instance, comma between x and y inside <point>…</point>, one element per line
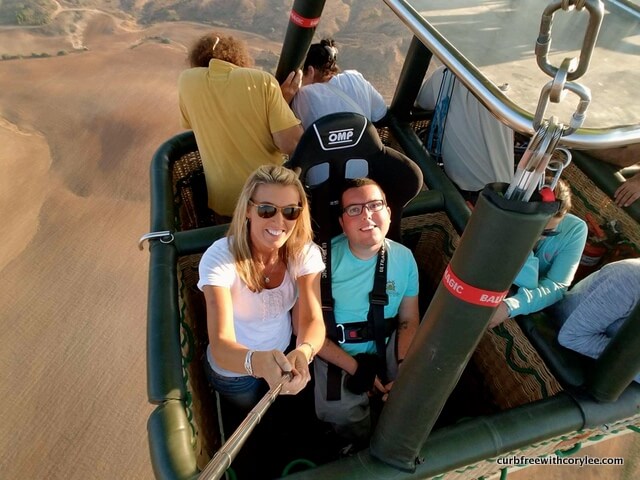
<point>376,327</point>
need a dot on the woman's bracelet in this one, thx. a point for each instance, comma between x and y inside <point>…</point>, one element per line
<point>313,350</point>
<point>247,362</point>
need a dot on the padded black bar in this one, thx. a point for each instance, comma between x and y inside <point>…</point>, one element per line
<point>569,367</point>
<point>198,240</point>
<point>605,178</point>
<point>429,201</point>
<point>413,71</point>
<point>434,177</point>
<point>305,15</point>
<point>164,359</point>
<point>485,437</point>
<point>172,454</point>
<point>618,365</point>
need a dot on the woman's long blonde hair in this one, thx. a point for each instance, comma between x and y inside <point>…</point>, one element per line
<point>239,236</point>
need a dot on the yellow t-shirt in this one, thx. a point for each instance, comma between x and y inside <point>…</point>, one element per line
<point>232,111</point>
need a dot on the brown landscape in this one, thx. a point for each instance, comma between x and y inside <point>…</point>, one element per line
<point>85,100</point>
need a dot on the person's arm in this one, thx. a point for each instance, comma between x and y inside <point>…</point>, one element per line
<point>628,192</point>
<point>378,105</point>
<point>554,283</point>
<point>500,315</point>
<point>291,85</point>
<point>428,94</point>
<point>227,352</point>
<point>584,330</point>
<point>287,140</point>
<point>308,324</point>
<point>408,322</point>
<point>602,304</point>
<point>625,156</point>
<point>332,353</point>
<point>184,117</point>
<point>528,275</point>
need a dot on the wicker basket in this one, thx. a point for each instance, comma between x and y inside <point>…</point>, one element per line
<point>514,374</point>
<point>201,399</point>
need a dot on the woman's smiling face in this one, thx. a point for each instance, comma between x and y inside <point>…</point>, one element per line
<point>268,234</point>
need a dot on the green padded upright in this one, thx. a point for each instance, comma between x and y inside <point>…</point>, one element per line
<point>480,273</point>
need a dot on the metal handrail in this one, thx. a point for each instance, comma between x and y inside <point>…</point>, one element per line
<point>491,97</point>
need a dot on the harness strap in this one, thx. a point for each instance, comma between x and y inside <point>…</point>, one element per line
<point>358,332</point>
<point>334,373</point>
<point>377,325</point>
<point>378,298</point>
<point>439,120</point>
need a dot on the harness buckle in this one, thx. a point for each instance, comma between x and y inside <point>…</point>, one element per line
<point>378,299</point>
<point>340,327</point>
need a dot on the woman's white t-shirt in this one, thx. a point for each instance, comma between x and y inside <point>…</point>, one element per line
<point>261,320</point>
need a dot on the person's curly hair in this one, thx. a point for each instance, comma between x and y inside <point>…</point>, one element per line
<point>323,57</point>
<point>221,47</point>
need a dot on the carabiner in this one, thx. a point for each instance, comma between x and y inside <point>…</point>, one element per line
<point>595,9</point>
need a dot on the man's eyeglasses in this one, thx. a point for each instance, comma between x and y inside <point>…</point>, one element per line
<point>266,210</point>
<point>356,208</point>
<point>549,232</point>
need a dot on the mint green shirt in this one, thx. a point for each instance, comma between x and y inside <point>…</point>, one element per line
<point>352,281</point>
<point>549,270</point>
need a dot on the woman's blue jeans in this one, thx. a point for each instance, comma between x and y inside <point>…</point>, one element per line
<point>243,392</point>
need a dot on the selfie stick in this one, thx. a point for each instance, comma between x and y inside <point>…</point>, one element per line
<point>223,458</point>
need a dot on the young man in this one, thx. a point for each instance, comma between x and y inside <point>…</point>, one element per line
<point>365,220</point>
<point>476,147</point>
<point>239,115</point>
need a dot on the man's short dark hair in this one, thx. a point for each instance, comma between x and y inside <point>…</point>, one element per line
<point>357,183</point>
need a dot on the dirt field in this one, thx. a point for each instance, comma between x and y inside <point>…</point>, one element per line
<point>77,133</point>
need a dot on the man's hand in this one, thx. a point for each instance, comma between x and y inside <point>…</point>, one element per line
<point>291,85</point>
<point>363,379</point>
<point>628,192</point>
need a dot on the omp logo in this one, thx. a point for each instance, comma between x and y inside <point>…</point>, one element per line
<point>336,137</point>
<point>341,134</point>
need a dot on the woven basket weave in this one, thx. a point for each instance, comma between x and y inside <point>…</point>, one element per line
<point>201,400</point>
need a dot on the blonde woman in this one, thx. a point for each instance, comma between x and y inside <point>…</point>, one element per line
<point>261,283</point>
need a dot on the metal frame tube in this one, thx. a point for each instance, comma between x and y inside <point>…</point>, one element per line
<point>413,71</point>
<point>304,17</point>
<point>504,109</point>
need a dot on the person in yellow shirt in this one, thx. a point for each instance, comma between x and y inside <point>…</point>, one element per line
<point>240,116</point>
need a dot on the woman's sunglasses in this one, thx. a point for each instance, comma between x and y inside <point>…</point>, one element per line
<point>549,232</point>
<point>266,210</point>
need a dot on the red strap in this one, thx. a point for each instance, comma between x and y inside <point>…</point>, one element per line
<point>303,22</point>
<point>470,294</point>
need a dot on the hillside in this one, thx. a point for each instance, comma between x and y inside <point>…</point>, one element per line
<point>368,38</point>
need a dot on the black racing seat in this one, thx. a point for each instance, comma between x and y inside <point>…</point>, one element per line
<point>347,145</point>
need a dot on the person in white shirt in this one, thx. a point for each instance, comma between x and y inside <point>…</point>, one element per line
<point>476,147</point>
<point>261,283</point>
<point>325,91</point>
